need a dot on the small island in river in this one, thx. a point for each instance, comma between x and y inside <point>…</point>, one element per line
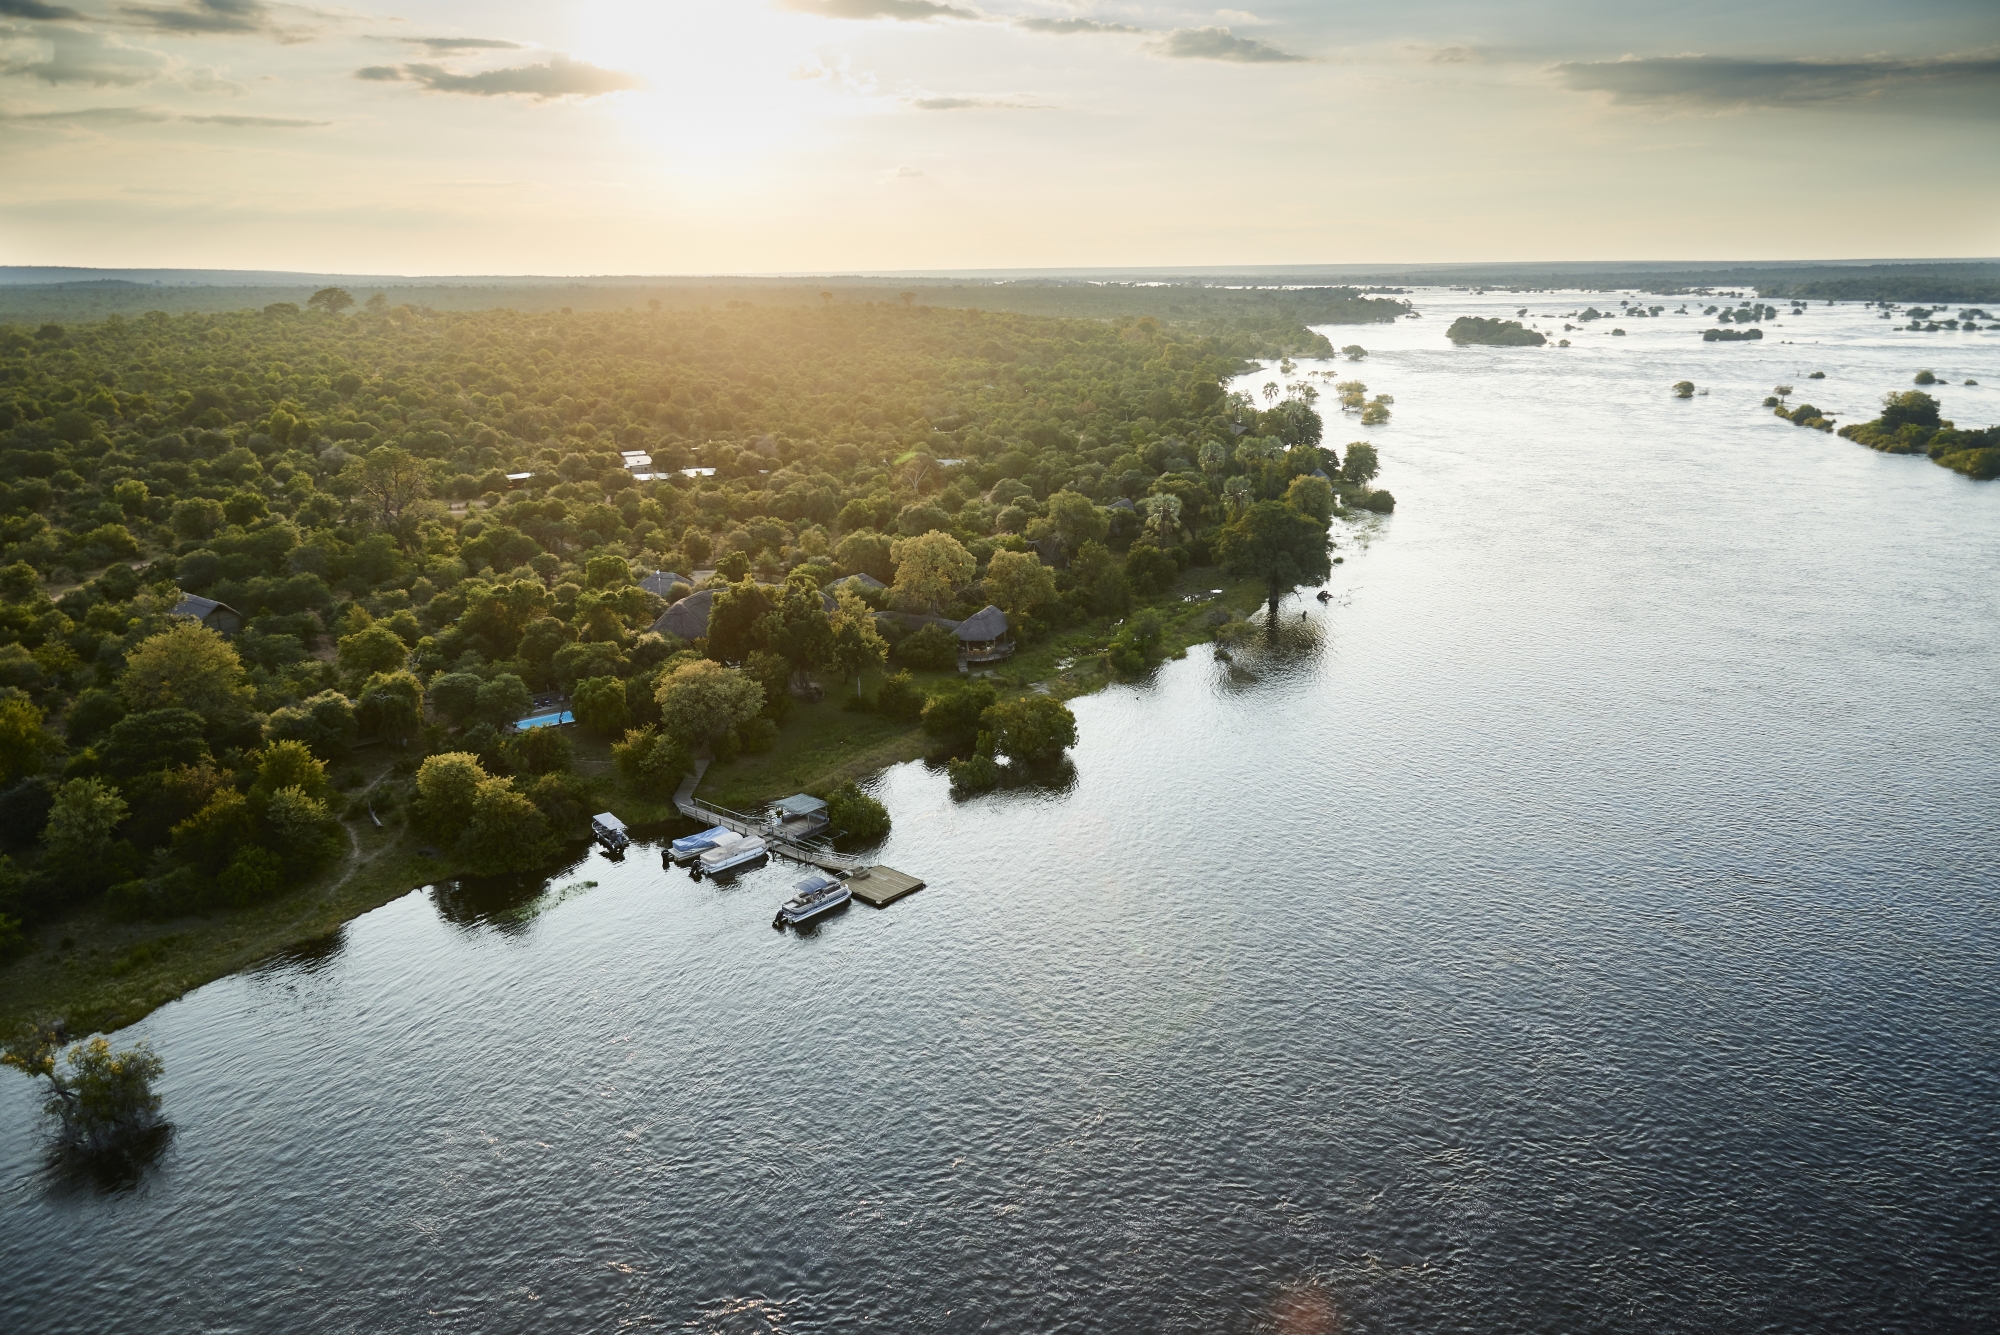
<point>1472,329</point>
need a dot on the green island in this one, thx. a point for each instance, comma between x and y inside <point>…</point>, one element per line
<point>1731,335</point>
<point>279,587</point>
<point>1477,330</point>
<point>1912,423</point>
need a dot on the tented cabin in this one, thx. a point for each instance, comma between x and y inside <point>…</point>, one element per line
<point>218,617</point>
<point>983,637</point>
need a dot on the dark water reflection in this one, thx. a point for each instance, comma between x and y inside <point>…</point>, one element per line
<point>1585,922</point>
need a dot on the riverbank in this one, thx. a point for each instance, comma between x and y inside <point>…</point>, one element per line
<point>102,973</point>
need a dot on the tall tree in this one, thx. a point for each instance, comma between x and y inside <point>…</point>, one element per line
<point>929,567</point>
<point>1278,546</point>
<point>390,480</point>
<point>186,666</point>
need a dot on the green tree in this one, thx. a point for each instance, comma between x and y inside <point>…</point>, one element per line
<point>196,518</point>
<point>1149,570</point>
<point>699,702</point>
<point>331,300</point>
<point>599,704</point>
<point>854,816</point>
<point>370,650</point>
<point>101,1097</point>
<point>24,744</point>
<point>798,628</point>
<point>953,712</point>
<point>929,568</point>
<point>606,572</point>
<point>1018,582</point>
<point>447,785</point>
<point>86,814</point>
<point>298,828</point>
<point>389,480</point>
<point>1031,729</point>
<point>1311,496</point>
<point>1276,546</point>
<point>503,700</point>
<point>283,765</point>
<point>211,838</point>
<point>325,722</point>
<point>186,666</point>
<point>1361,466</point>
<point>455,695</point>
<point>1076,519</point>
<point>737,622</point>
<point>506,832</point>
<point>390,707</point>
<point>856,646</point>
<point>1100,578</point>
<point>1684,389</point>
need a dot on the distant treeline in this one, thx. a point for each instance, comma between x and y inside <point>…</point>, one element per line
<point>1276,317</point>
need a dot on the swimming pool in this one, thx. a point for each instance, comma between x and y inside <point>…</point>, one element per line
<point>555,719</point>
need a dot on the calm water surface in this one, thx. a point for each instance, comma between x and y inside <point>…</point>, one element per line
<point>1586,922</point>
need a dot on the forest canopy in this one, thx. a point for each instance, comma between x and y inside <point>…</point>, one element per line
<point>406,522</point>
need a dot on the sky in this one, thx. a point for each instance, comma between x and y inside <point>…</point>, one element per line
<point>825,136</point>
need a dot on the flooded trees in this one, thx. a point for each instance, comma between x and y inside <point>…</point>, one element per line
<point>1277,546</point>
<point>102,1098</point>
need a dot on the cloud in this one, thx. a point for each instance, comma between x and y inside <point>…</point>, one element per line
<point>1069,27</point>
<point>908,11</point>
<point>146,116</point>
<point>32,9</point>
<point>439,46</point>
<point>1220,44</point>
<point>1721,82</point>
<point>88,116</point>
<point>561,77</point>
<point>1455,55</point>
<point>957,103</point>
<point>83,57</point>
<point>206,16</point>
<point>256,122</point>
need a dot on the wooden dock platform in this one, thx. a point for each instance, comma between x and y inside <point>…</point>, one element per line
<point>881,886</point>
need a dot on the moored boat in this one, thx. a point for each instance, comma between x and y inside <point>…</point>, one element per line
<point>694,845</point>
<point>608,830</point>
<point>736,850</point>
<point>817,894</point>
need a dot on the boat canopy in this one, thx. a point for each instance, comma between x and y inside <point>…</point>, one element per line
<point>695,843</point>
<point>815,883</point>
<point>604,820</point>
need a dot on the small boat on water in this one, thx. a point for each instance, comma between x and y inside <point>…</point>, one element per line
<point>608,830</point>
<point>733,851</point>
<point>694,845</point>
<point>817,894</point>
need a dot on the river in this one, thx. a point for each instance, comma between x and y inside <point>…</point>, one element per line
<point>1585,921</point>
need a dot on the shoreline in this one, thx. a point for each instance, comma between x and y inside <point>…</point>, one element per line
<point>114,973</point>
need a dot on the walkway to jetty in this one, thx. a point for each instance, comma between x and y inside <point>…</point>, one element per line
<point>814,851</point>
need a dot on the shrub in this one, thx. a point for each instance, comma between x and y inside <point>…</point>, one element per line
<point>974,774</point>
<point>1032,728</point>
<point>854,814</point>
<point>931,648</point>
<point>953,714</point>
<point>252,876</point>
<point>900,699</point>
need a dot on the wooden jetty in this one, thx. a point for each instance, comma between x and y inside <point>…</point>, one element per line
<point>882,886</point>
<point>871,884</point>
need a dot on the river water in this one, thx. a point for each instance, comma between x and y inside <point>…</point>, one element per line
<point>1585,922</point>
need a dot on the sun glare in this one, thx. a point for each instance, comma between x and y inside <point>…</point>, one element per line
<point>728,86</point>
